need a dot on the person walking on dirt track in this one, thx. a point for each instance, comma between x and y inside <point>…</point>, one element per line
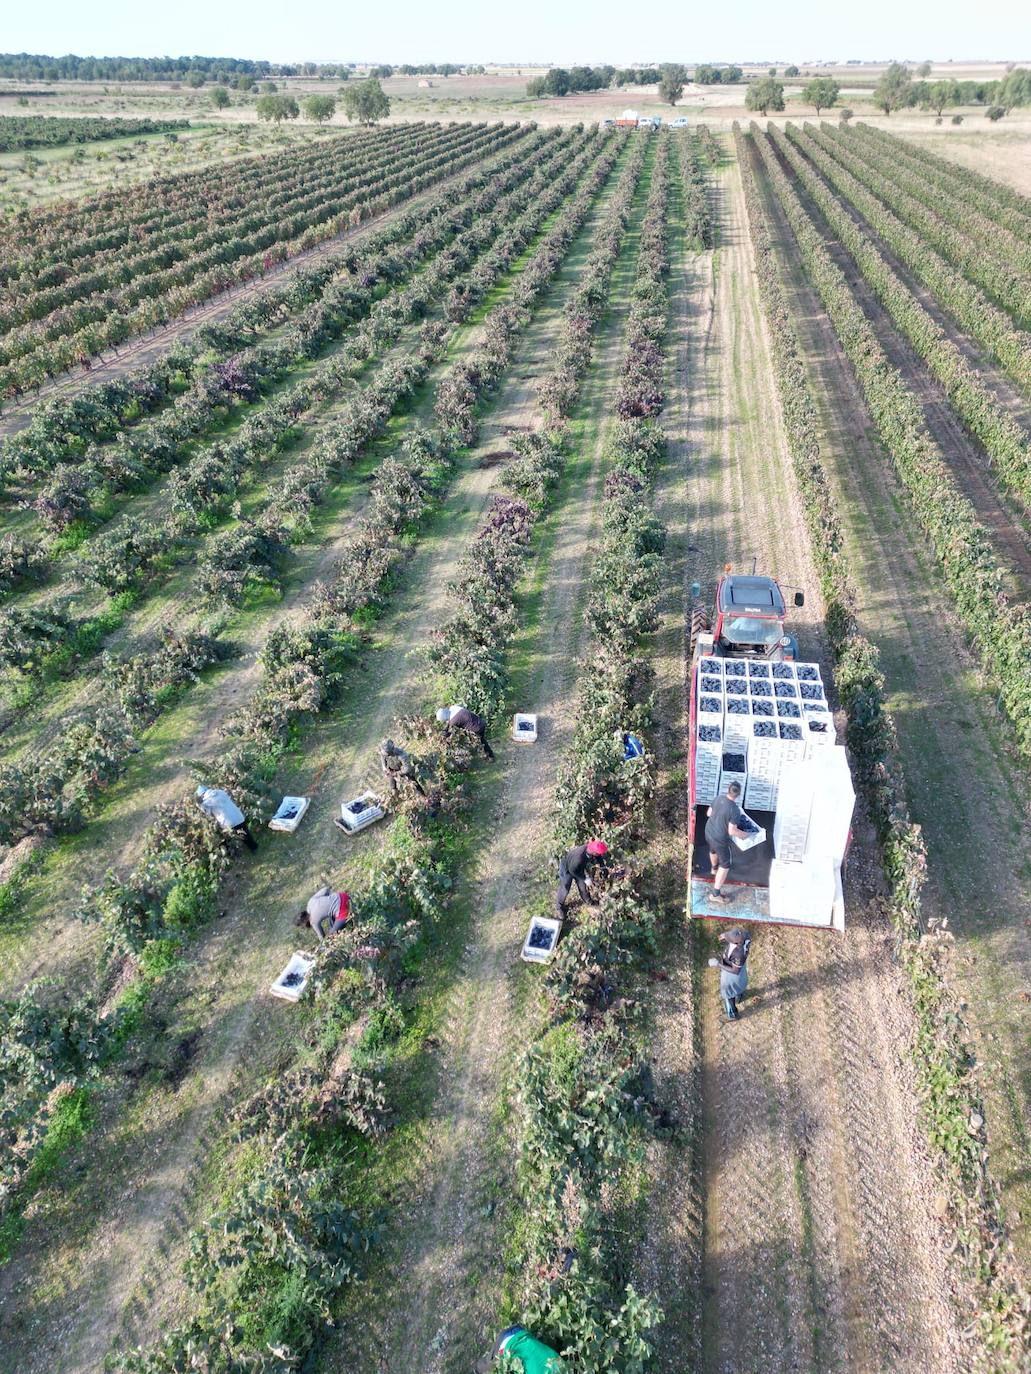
<point>723,817</point>
<point>572,868</point>
<point>732,965</point>
<point>224,811</point>
<point>327,912</point>
<point>536,1357</point>
<point>398,767</point>
<point>461,718</point>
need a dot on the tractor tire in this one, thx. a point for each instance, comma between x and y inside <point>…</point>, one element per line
<point>700,625</point>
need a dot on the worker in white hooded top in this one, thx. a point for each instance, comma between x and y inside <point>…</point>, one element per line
<point>461,718</point>
<point>220,806</point>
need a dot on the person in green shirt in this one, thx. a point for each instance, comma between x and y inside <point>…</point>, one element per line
<point>536,1357</point>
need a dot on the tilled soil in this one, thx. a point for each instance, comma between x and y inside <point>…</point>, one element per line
<point>819,1247</point>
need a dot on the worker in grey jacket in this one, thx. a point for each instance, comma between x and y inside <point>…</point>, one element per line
<point>327,912</point>
<point>220,806</point>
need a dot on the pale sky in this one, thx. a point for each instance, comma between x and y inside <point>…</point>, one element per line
<point>559,32</point>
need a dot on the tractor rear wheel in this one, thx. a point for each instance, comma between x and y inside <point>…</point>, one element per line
<point>700,624</point>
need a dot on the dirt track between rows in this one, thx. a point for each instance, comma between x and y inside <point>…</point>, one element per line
<point>966,787</point>
<point>798,1232</point>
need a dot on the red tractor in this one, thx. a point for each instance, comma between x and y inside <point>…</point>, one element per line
<point>747,619</point>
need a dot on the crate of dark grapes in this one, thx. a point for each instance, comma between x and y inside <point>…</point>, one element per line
<point>294,978</point>
<point>541,939</point>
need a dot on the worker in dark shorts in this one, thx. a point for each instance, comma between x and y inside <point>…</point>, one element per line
<point>327,912</point>
<point>734,947</point>
<point>722,823</point>
<point>461,718</point>
<point>572,868</point>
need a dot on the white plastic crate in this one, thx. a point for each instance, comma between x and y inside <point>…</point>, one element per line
<point>541,940</point>
<point>524,728</point>
<point>294,979</point>
<point>758,836</point>
<point>289,814</point>
<point>360,813</point>
<point>802,891</point>
<point>834,803</point>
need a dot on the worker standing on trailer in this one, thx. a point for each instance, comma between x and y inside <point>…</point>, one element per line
<point>732,965</point>
<point>327,912</point>
<point>723,817</point>
<point>220,806</point>
<point>398,767</point>
<point>461,718</point>
<point>536,1357</point>
<point>572,868</point>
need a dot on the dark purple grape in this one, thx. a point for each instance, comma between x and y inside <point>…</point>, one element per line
<point>783,670</point>
<point>762,707</point>
<point>790,731</point>
<point>788,708</point>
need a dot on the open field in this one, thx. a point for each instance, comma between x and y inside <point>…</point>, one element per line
<point>321,430</point>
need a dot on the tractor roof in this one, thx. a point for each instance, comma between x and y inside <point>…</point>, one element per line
<point>760,595</point>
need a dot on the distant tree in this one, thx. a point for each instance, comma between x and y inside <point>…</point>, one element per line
<point>269,88</point>
<point>277,108</point>
<point>942,93</point>
<point>730,76</point>
<point>790,71</point>
<point>244,82</point>
<point>382,72</point>
<point>924,70</point>
<point>219,97</point>
<point>365,101</point>
<point>344,74</point>
<point>957,119</point>
<point>821,93</point>
<point>320,108</point>
<point>845,114</point>
<point>706,75</point>
<point>995,113</point>
<point>893,90</point>
<point>1014,89</point>
<point>765,95</point>
<point>195,79</point>
<point>772,71</point>
<point>671,83</point>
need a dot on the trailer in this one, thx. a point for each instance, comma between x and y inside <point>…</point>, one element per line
<point>760,717</point>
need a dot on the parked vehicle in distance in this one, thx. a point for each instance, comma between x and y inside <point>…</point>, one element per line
<point>681,122</point>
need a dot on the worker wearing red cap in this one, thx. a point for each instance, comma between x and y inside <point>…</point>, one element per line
<point>572,868</point>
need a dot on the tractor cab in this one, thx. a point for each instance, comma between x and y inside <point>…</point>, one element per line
<point>748,619</point>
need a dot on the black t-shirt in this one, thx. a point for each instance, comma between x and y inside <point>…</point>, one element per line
<point>724,814</point>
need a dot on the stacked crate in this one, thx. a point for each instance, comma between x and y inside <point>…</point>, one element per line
<point>709,730</point>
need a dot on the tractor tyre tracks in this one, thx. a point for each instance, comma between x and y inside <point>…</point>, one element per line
<point>818,1251</point>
